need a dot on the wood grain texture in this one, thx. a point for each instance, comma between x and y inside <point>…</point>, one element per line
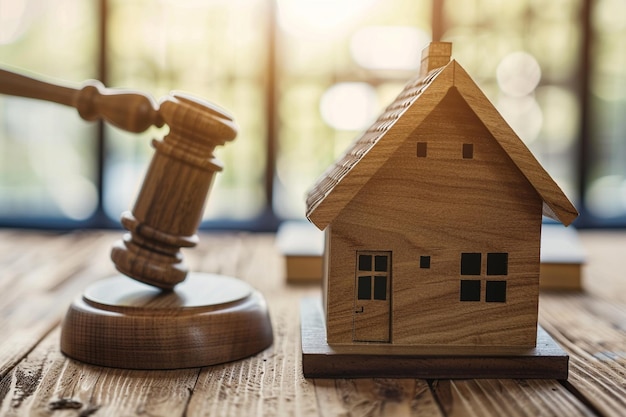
<point>208,319</point>
<point>321,360</point>
<point>129,110</point>
<point>271,383</point>
<point>377,397</point>
<point>167,327</point>
<point>594,330</point>
<point>340,183</point>
<point>32,388</point>
<point>440,207</point>
<point>562,255</point>
<point>506,397</point>
<point>169,207</point>
<point>438,177</point>
<point>591,326</point>
<point>38,284</point>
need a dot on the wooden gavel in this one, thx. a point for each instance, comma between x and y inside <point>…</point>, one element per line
<point>169,207</point>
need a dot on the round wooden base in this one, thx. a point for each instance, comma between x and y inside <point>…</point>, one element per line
<point>207,319</point>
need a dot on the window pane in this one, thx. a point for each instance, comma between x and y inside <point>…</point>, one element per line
<point>217,50</point>
<point>47,152</point>
<point>497,263</point>
<point>495,292</point>
<point>364,290</point>
<point>380,288</point>
<point>424,261</point>
<point>470,263</point>
<point>470,290</point>
<point>365,262</point>
<point>380,263</point>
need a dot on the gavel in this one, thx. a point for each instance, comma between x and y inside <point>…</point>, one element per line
<point>169,207</point>
<point>120,321</point>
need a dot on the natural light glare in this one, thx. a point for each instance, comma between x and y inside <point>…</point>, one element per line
<point>523,114</point>
<point>122,183</point>
<point>561,111</point>
<point>13,16</point>
<point>388,47</point>
<point>518,74</point>
<point>608,15</point>
<point>76,197</point>
<point>318,18</point>
<point>606,197</point>
<point>349,106</point>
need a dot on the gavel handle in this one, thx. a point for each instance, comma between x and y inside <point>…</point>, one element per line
<point>131,111</point>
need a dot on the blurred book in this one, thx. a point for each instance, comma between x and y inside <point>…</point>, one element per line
<point>562,254</point>
<point>562,258</point>
<point>302,244</point>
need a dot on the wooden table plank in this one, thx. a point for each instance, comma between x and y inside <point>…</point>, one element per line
<point>593,332</point>
<point>47,381</point>
<point>264,385</point>
<point>591,326</point>
<point>42,272</point>
<point>508,397</point>
<point>271,382</point>
<point>375,397</point>
<point>34,302</point>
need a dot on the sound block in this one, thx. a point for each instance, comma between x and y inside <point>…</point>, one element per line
<point>384,360</point>
<point>205,320</point>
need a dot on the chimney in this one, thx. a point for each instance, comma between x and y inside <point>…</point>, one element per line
<point>435,55</point>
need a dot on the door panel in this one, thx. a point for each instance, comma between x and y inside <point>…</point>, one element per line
<point>372,297</point>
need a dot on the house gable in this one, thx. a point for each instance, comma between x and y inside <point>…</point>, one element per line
<point>445,189</point>
<point>351,172</point>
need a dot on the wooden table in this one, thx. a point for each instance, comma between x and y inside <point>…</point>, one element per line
<point>41,272</point>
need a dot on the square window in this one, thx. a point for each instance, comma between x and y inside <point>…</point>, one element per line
<point>380,263</point>
<point>380,288</point>
<point>497,264</point>
<point>364,290</point>
<point>495,292</point>
<point>425,262</point>
<point>365,262</point>
<point>470,263</point>
<point>422,149</point>
<point>470,290</point>
<point>468,150</point>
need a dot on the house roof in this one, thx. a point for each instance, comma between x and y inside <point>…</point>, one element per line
<point>343,180</point>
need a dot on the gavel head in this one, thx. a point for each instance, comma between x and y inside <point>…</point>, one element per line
<point>169,207</point>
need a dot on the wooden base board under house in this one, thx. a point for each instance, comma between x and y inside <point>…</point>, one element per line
<point>319,360</point>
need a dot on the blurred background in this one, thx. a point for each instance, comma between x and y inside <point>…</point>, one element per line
<point>302,78</point>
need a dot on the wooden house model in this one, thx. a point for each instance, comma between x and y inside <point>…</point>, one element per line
<point>432,222</point>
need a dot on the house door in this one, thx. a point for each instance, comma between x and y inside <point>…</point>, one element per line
<point>372,297</point>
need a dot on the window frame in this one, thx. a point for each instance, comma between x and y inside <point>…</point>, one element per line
<point>268,220</point>
<point>369,268</point>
